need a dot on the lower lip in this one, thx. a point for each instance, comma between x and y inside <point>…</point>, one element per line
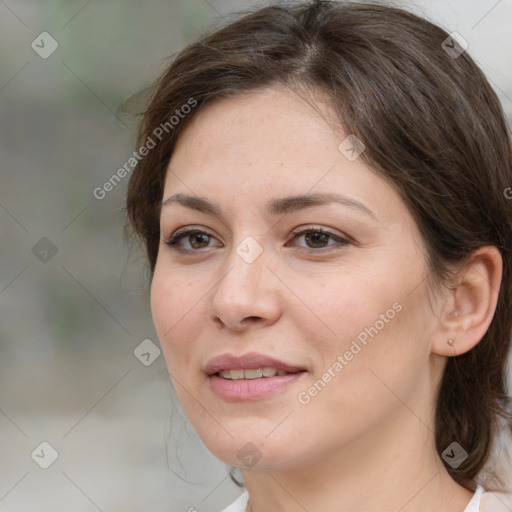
<point>234,390</point>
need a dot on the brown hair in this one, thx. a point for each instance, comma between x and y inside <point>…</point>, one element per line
<point>432,126</point>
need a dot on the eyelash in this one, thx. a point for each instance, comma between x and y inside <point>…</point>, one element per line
<point>177,237</point>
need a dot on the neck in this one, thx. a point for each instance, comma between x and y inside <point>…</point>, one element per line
<point>387,473</point>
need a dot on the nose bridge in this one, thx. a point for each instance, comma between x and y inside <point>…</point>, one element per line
<point>245,268</point>
<point>244,288</point>
<point>246,257</point>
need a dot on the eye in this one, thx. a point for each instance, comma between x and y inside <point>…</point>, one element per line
<point>194,238</point>
<point>318,238</point>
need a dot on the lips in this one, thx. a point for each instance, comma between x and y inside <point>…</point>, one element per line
<point>247,361</point>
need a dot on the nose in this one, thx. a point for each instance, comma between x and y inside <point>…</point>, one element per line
<point>246,294</point>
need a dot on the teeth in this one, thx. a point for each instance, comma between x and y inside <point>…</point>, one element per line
<point>252,373</point>
<point>237,374</point>
<point>269,372</point>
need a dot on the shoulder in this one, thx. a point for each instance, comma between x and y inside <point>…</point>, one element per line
<point>495,502</point>
<point>474,504</point>
<point>239,505</point>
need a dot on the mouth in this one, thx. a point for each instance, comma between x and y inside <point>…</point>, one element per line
<point>257,365</point>
<point>253,373</point>
<point>250,377</point>
<point>259,388</point>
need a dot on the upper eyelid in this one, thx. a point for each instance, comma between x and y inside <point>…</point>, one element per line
<point>295,233</point>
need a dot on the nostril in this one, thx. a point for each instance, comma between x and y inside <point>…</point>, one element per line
<point>251,320</point>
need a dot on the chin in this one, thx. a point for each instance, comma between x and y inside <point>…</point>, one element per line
<point>258,454</point>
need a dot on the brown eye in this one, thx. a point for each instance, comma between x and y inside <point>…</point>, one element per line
<point>198,240</point>
<point>195,239</point>
<point>318,238</point>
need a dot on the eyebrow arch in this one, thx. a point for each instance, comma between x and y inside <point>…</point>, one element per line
<point>274,207</point>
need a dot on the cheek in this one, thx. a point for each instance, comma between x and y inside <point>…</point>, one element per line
<point>372,321</point>
<point>344,305</point>
<point>366,370</point>
<point>386,360</point>
<point>174,306</point>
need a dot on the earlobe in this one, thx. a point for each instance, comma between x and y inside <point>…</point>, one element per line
<point>472,303</point>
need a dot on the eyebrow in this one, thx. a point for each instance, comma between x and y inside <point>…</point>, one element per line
<point>274,207</point>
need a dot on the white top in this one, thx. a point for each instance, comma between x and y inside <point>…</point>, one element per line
<point>240,504</point>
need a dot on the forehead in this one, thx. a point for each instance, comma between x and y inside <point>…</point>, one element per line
<point>271,143</point>
<point>229,127</point>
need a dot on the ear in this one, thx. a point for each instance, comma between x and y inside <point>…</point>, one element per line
<point>471,304</point>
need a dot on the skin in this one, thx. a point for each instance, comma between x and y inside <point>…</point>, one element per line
<point>365,442</point>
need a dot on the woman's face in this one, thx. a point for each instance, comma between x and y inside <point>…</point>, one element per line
<point>334,285</point>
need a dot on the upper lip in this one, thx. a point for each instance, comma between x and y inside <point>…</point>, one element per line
<point>251,360</point>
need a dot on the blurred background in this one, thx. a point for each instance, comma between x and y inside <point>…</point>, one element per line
<point>87,421</point>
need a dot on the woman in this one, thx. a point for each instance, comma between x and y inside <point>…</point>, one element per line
<point>322,195</point>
